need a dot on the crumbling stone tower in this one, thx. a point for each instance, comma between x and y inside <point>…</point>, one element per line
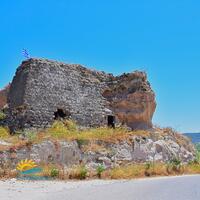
<point>44,90</point>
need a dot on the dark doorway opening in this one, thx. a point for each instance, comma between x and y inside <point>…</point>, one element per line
<point>59,114</point>
<point>111,121</point>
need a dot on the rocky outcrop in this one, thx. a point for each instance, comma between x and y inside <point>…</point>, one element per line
<point>156,146</point>
<point>43,90</point>
<point>3,96</point>
<point>132,100</point>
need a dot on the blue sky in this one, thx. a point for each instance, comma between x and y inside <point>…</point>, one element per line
<point>161,37</point>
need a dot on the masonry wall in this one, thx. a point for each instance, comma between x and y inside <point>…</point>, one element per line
<point>41,87</point>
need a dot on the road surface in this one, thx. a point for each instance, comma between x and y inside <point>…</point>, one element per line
<point>172,188</point>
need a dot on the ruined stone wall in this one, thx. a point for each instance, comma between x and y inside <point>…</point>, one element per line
<point>41,87</point>
<point>46,86</point>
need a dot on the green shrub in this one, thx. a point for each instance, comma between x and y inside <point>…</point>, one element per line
<point>100,169</point>
<point>197,154</point>
<point>63,129</point>
<point>148,165</point>
<point>174,165</point>
<point>58,130</point>
<point>2,115</point>
<point>54,172</point>
<point>197,146</point>
<point>71,125</point>
<point>82,142</point>
<point>83,172</point>
<point>175,162</point>
<point>30,135</point>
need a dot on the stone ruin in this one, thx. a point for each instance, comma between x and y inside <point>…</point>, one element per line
<point>43,91</point>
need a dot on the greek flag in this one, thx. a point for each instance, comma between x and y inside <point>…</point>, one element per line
<point>25,53</point>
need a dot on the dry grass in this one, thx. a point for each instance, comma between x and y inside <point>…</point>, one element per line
<point>193,168</point>
<point>143,170</point>
<point>122,172</point>
<point>92,146</point>
<point>4,132</point>
<point>7,173</point>
<point>88,140</point>
<point>128,172</point>
<point>76,172</point>
<point>139,170</point>
<point>68,130</point>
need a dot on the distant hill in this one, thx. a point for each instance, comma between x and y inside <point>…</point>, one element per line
<point>3,96</point>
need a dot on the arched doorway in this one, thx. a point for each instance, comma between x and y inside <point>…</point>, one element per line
<point>59,114</point>
<point>111,121</point>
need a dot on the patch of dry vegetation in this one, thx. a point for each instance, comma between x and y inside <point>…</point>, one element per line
<point>128,172</point>
<point>132,171</point>
<point>4,132</point>
<point>68,130</point>
<point>14,140</point>
<point>88,140</point>
<point>193,168</point>
<point>92,146</point>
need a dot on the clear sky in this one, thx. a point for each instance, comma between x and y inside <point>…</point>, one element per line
<point>159,36</point>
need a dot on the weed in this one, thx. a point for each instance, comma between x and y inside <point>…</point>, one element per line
<point>197,154</point>
<point>148,165</point>
<point>4,133</point>
<point>174,165</point>
<point>2,115</point>
<point>197,146</point>
<point>31,136</point>
<point>83,172</point>
<point>148,168</point>
<point>175,162</point>
<point>71,125</point>
<point>82,142</point>
<point>54,172</point>
<point>100,169</point>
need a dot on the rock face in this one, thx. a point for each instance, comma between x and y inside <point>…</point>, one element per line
<point>44,90</point>
<point>132,100</point>
<point>157,146</point>
<point>3,96</point>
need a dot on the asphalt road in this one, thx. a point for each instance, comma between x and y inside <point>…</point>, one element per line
<point>172,188</point>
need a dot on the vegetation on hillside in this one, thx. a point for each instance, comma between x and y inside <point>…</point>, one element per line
<point>130,171</point>
<point>4,133</point>
<point>67,130</point>
<point>2,115</point>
